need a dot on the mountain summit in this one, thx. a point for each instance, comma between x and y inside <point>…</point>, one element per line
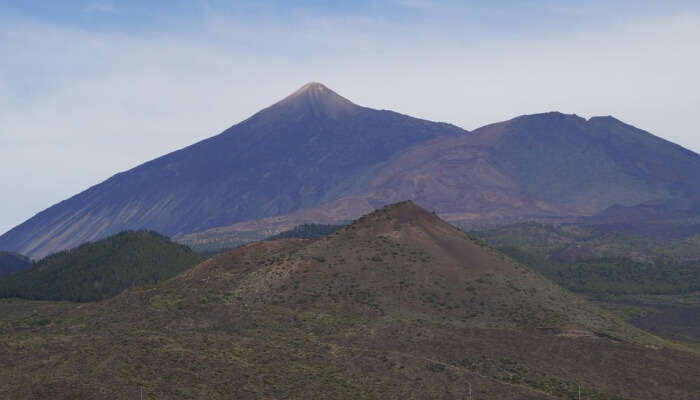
<point>315,98</point>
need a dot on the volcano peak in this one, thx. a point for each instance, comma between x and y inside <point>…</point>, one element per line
<point>318,99</point>
<point>313,87</point>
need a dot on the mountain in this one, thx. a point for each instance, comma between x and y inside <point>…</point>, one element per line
<point>545,167</point>
<point>11,262</point>
<point>315,157</point>
<point>99,270</point>
<point>312,147</point>
<point>399,304</point>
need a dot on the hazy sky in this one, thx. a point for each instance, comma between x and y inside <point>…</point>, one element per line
<point>89,89</point>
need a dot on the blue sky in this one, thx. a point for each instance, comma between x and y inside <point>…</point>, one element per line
<point>136,15</point>
<point>92,88</point>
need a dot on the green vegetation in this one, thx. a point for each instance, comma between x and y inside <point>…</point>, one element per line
<point>11,262</point>
<point>99,270</point>
<point>307,231</point>
<point>599,276</point>
<point>581,241</point>
<point>601,263</point>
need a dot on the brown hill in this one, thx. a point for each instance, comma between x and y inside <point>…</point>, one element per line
<point>397,305</point>
<point>403,260</point>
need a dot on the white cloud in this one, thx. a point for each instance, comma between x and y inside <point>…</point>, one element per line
<point>78,106</point>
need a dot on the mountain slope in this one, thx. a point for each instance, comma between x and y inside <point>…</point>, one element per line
<point>11,262</point>
<point>534,167</point>
<point>539,166</point>
<point>312,147</point>
<point>593,163</point>
<point>362,313</point>
<point>95,271</point>
<point>543,164</point>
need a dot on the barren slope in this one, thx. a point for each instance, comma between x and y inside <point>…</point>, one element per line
<point>533,167</point>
